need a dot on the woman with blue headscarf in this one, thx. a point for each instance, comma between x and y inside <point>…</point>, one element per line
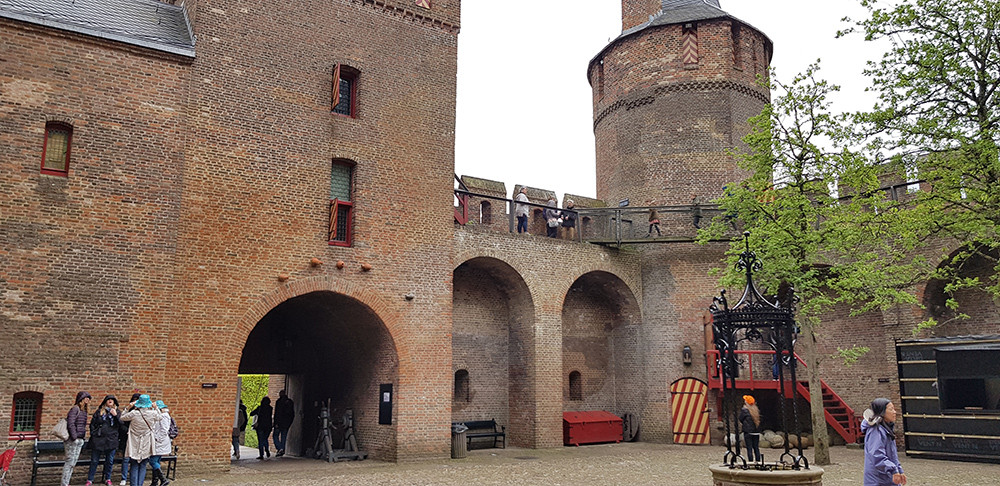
<point>882,467</point>
<point>143,415</point>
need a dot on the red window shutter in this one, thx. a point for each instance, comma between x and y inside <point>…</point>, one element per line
<point>336,86</point>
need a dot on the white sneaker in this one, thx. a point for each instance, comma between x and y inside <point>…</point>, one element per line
<point>123,483</point>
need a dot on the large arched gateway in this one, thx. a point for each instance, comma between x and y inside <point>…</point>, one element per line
<point>331,348</point>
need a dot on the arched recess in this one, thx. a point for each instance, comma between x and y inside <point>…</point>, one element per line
<point>981,307</point>
<point>330,346</point>
<point>492,318</point>
<point>600,324</point>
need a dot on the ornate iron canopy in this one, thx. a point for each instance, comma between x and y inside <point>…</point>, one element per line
<point>747,322</point>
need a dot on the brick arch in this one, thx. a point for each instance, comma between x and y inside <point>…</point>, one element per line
<point>598,267</point>
<point>366,296</point>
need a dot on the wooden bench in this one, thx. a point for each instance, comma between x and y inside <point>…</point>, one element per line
<point>485,429</point>
<point>55,456</point>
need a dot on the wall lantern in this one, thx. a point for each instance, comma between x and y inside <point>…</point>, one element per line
<point>686,355</point>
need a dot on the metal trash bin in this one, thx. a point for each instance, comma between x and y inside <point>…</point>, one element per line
<point>458,447</point>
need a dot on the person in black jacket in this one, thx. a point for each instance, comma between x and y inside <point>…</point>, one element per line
<point>263,426</point>
<point>104,426</point>
<point>284,415</point>
<point>750,421</point>
<point>76,424</point>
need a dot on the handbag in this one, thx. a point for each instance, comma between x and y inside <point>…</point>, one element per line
<point>61,430</point>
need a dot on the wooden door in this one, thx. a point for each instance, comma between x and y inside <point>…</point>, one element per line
<point>689,410</point>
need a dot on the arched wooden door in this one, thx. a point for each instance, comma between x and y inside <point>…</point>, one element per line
<point>689,409</point>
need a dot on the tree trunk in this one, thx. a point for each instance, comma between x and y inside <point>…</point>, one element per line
<point>821,438</point>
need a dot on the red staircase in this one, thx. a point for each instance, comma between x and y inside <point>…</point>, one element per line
<point>838,414</point>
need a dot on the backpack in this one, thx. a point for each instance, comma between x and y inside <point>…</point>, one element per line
<point>173,431</point>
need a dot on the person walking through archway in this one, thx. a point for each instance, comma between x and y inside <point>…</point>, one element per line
<point>284,415</point>
<point>263,426</point>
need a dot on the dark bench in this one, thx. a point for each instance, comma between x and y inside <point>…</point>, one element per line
<point>485,429</point>
<point>55,456</point>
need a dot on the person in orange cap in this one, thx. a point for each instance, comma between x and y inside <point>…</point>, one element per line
<point>750,421</point>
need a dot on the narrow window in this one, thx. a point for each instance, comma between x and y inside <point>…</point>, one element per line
<point>600,79</point>
<point>55,150</point>
<point>485,212</point>
<point>737,47</point>
<point>26,417</point>
<point>575,386</point>
<point>345,90</point>
<point>461,386</point>
<point>341,205</point>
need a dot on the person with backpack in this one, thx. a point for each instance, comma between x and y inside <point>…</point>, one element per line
<point>239,429</point>
<point>76,425</point>
<point>143,415</point>
<point>104,427</point>
<point>163,432</point>
<point>263,425</point>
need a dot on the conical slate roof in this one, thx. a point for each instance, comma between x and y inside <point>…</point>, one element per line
<point>680,11</point>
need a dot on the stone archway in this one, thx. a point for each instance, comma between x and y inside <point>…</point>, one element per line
<point>332,347</point>
<point>982,309</point>
<point>600,345</point>
<point>492,346</point>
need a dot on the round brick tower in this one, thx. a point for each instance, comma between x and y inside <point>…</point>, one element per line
<point>671,95</point>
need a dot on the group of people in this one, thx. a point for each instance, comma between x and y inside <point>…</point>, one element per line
<point>882,467</point>
<point>143,430</point>
<point>267,419</point>
<point>554,218</point>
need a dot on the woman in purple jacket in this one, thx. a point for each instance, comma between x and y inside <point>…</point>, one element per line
<point>882,466</point>
<point>76,424</point>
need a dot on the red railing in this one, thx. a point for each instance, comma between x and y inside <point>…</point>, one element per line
<point>847,425</point>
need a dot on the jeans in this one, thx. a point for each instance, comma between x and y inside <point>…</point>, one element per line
<point>126,461</point>
<point>73,448</point>
<point>137,472</point>
<point>109,463</point>
<point>154,462</point>
<point>280,438</point>
<point>262,442</point>
<point>522,224</point>
<point>753,446</point>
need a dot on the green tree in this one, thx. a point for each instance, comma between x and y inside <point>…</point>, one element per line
<point>816,217</point>
<point>938,118</point>
<point>254,388</point>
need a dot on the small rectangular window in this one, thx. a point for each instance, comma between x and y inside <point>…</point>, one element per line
<point>55,149</point>
<point>26,416</point>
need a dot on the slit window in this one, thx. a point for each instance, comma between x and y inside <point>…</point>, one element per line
<point>56,149</point>
<point>485,212</point>
<point>462,386</point>
<point>575,386</point>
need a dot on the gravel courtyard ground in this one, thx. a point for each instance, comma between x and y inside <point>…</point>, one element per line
<point>631,464</point>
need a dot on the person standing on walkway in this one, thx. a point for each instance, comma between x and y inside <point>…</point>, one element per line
<point>521,210</point>
<point>143,417</point>
<point>882,467</point>
<point>104,427</point>
<point>76,425</point>
<point>750,422</point>
<point>123,441</point>
<point>551,218</point>
<point>284,415</point>
<point>162,446</point>
<point>263,426</point>
<point>654,223</point>
<point>569,219</point>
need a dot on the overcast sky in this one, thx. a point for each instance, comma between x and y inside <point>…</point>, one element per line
<point>524,104</point>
